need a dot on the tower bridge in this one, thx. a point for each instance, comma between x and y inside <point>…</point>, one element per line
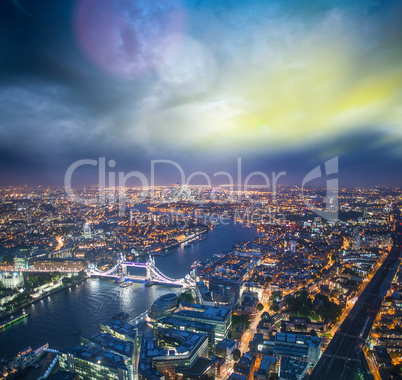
<point>151,276</point>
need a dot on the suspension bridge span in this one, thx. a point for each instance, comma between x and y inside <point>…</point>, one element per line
<point>151,276</point>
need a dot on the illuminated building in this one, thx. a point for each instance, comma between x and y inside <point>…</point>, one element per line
<point>179,349</point>
<point>60,264</point>
<point>12,280</point>
<point>87,231</point>
<point>218,316</point>
<point>112,344</point>
<point>186,325</point>
<point>301,347</point>
<point>63,253</point>
<point>293,246</point>
<point>93,363</point>
<point>20,262</point>
<point>163,306</point>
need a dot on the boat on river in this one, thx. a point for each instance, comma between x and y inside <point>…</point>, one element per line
<point>28,357</point>
<point>13,319</point>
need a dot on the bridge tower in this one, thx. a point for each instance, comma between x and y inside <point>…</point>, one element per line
<point>121,269</point>
<point>150,265</point>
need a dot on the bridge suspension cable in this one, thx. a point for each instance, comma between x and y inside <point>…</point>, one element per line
<point>159,276</point>
<point>105,272</point>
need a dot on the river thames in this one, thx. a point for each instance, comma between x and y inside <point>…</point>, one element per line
<point>81,308</point>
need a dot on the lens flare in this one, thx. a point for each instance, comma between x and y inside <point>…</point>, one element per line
<point>128,38</point>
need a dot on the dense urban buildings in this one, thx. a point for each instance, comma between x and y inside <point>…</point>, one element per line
<point>271,306</point>
<point>200,189</point>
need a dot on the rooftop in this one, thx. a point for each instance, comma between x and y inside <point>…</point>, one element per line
<point>205,312</point>
<point>179,322</point>
<point>120,327</point>
<point>97,355</point>
<point>292,368</point>
<point>226,343</point>
<point>111,343</point>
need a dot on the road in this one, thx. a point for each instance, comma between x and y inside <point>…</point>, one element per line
<point>350,305</point>
<point>343,355</point>
<point>249,333</point>
<point>373,367</point>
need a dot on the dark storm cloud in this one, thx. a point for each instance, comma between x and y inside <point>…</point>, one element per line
<point>211,100</point>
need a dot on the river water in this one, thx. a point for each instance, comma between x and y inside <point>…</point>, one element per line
<point>81,308</point>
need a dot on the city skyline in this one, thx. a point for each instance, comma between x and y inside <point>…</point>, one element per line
<point>200,189</point>
<point>283,86</point>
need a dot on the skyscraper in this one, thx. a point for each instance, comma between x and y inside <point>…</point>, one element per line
<point>87,231</point>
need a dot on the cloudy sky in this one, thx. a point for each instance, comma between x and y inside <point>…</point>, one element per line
<point>284,85</point>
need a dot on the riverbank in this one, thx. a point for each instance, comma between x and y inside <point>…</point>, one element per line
<point>167,248</point>
<point>82,308</point>
<point>41,297</point>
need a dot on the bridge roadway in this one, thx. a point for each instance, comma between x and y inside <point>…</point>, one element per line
<point>153,274</point>
<point>343,355</point>
<point>157,276</point>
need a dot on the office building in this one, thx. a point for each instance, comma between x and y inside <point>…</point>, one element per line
<point>87,231</point>
<point>218,316</point>
<point>204,294</point>
<point>94,363</point>
<point>112,344</point>
<point>178,348</point>
<point>187,325</point>
<point>268,366</point>
<point>295,346</point>
<point>119,329</point>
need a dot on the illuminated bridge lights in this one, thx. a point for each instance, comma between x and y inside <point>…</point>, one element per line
<point>153,274</point>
